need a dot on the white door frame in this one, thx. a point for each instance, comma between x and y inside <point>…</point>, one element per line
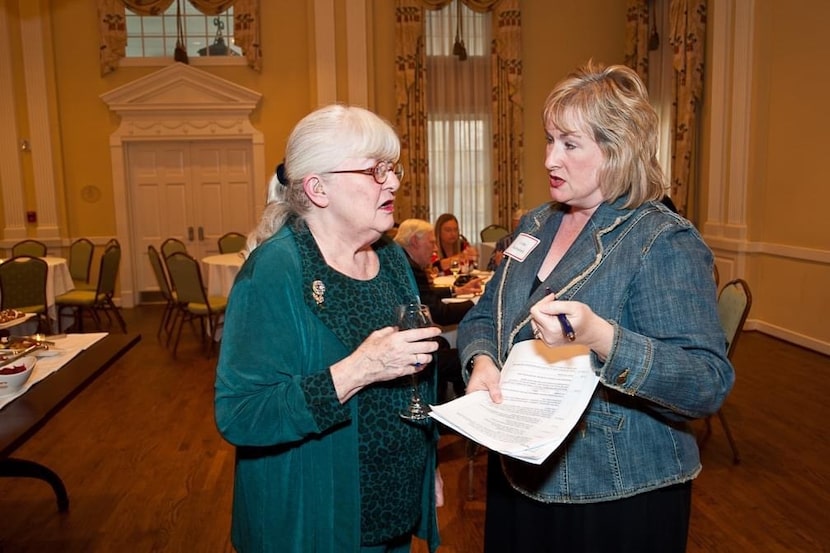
<point>176,103</point>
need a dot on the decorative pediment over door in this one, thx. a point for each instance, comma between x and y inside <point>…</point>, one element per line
<point>177,103</point>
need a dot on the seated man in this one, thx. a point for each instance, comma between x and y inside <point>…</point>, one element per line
<point>417,239</point>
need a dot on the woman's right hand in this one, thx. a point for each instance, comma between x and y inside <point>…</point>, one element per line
<point>386,354</point>
<point>485,376</point>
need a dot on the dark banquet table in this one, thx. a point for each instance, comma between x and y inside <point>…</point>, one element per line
<point>23,417</point>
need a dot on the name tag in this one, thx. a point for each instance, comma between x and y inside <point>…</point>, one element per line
<point>521,247</point>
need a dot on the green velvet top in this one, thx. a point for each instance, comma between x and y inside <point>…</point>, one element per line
<point>305,463</point>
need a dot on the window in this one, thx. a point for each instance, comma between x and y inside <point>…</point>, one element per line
<point>458,122</point>
<point>205,36</point>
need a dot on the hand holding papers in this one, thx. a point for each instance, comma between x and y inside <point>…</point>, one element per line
<point>545,392</point>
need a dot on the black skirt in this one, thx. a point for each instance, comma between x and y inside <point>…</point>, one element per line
<point>651,522</point>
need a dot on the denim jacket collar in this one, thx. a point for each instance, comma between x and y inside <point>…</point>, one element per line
<point>574,268</point>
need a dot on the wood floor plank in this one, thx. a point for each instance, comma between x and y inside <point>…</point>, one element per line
<point>147,471</point>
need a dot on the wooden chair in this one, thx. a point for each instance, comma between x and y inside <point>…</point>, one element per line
<point>172,245</point>
<point>80,261</point>
<point>734,303</point>
<point>493,233</point>
<point>97,301</point>
<point>193,301</point>
<point>232,242</point>
<point>163,281</point>
<point>33,248</point>
<point>23,287</point>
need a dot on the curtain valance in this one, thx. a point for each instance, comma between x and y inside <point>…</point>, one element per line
<point>475,5</point>
<point>113,28</point>
<point>147,7</point>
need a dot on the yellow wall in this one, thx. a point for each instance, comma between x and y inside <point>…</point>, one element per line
<point>788,188</point>
<point>86,123</point>
<point>557,37</point>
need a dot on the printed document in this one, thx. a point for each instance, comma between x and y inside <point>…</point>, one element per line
<point>545,392</point>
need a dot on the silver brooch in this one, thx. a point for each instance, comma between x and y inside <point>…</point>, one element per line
<point>318,290</point>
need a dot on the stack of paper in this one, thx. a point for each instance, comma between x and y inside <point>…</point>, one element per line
<point>545,392</point>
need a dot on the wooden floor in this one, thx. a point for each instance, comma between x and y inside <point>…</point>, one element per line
<point>146,470</point>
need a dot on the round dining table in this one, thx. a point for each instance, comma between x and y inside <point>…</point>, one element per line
<point>221,272</point>
<point>58,281</point>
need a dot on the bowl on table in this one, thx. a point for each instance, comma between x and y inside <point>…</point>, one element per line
<point>14,374</point>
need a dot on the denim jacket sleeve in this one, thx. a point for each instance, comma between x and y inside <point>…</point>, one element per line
<point>649,274</point>
<point>668,344</point>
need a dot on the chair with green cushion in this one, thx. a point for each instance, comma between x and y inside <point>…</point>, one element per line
<point>193,301</point>
<point>232,242</point>
<point>99,300</point>
<point>80,262</point>
<point>493,233</point>
<point>23,287</point>
<point>734,303</point>
<point>33,248</point>
<point>172,245</point>
<point>168,317</point>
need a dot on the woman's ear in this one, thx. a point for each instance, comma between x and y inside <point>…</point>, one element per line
<point>315,189</point>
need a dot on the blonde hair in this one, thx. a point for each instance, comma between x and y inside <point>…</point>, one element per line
<point>319,143</point>
<point>612,103</point>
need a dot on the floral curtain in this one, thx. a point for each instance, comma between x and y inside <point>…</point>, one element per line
<point>147,7</point>
<point>113,31</point>
<point>411,115</point>
<point>688,39</point>
<point>636,37</point>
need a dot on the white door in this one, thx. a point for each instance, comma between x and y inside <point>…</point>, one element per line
<point>194,191</point>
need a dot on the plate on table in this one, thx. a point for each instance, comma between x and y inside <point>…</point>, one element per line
<point>11,317</point>
<point>483,275</point>
<point>461,298</point>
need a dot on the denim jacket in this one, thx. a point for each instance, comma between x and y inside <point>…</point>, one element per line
<point>648,272</point>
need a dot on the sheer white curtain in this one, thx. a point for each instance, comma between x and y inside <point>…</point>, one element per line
<point>458,123</point>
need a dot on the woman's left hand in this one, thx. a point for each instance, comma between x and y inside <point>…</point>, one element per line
<point>590,329</point>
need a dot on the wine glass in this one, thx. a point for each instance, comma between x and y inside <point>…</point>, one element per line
<point>408,316</point>
<point>455,267</point>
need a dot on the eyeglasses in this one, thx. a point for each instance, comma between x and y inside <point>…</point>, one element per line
<point>379,172</point>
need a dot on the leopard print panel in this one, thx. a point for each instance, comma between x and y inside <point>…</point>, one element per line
<point>392,452</point>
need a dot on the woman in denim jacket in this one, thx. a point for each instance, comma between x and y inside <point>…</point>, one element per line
<point>635,282</point>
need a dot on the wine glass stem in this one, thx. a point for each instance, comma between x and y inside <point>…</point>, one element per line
<point>415,395</point>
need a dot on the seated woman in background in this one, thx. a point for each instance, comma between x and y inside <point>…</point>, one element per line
<point>450,245</point>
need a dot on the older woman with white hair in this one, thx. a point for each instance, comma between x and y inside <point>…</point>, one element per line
<point>310,375</point>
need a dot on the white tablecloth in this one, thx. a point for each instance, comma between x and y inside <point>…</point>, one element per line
<point>58,281</point>
<point>485,250</point>
<point>64,350</point>
<point>221,272</point>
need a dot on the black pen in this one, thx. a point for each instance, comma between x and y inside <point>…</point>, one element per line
<point>567,329</point>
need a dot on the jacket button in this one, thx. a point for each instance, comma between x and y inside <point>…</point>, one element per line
<point>623,376</point>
